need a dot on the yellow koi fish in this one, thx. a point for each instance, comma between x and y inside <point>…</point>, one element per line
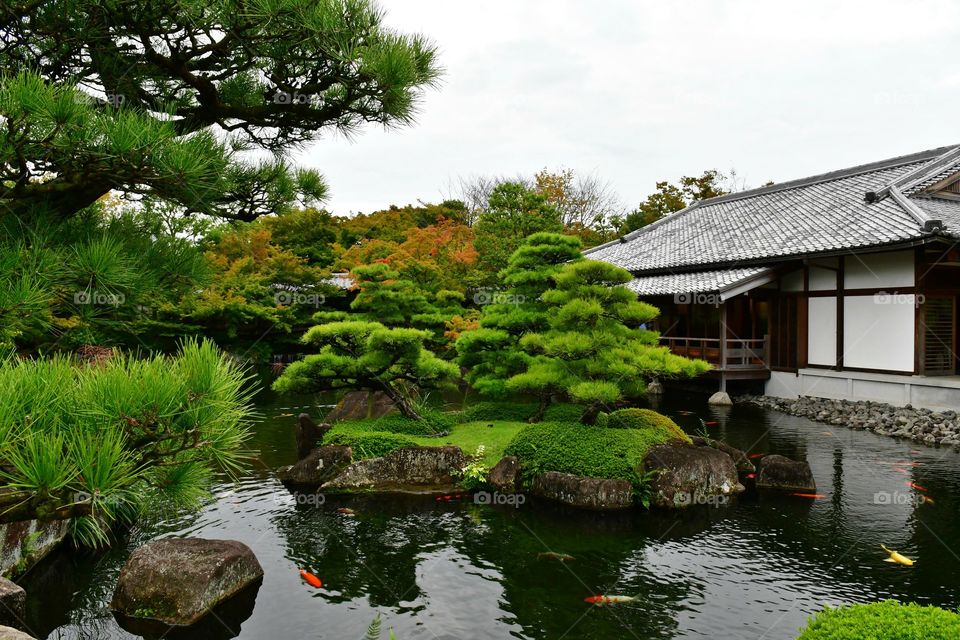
<point>897,558</point>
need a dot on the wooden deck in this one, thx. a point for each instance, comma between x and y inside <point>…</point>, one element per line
<point>735,359</point>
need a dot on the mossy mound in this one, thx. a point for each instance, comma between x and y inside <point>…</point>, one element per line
<point>642,419</point>
<point>594,451</point>
<point>432,423</point>
<point>368,444</point>
<point>518,412</point>
<point>887,620</point>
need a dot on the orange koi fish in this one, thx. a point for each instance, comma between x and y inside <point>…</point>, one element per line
<point>750,476</point>
<point>347,512</point>
<point>754,456</point>
<point>311,579</point>
<point>811,496</point>
<point>709,422</point>
<point>915,486</point>
<point>602,600</point>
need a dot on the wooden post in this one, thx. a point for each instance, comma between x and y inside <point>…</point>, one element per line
<point>723,346</point>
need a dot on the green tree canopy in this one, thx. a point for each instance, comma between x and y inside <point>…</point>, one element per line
<point>161,98</point>
<point>368,355</point>
<point>670,197</point>
<point>596,351</point>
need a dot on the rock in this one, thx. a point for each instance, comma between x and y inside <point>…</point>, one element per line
<point>407,469</point>
<point>743,463</point>
<point>309,435</point>
<point>36,538</point>
<point>178,581</point>
<point>690,475</point>
<point>6,633</point>
<point>13,604</point>
<point>323,464</point>
<point>784,474</point>
<point>359,405</point>
<point>720,398</point>
<point>505,475</point>
<point>586,493</point>
<point>655,388</point>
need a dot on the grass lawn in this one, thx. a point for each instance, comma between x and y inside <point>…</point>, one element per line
<point>470,435</point>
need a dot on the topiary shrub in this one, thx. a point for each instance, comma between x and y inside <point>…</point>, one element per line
<point>586,450</point>
<point>563,413</point>
<point>887,620</point>
<point>643,419</point>
<point>492,411</point>
<point>370,444</point>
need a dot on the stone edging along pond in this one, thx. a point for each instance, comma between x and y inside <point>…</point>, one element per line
<point>921,425</point>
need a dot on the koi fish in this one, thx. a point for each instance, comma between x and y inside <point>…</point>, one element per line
<point>709,422</point>
<point>826,433</point>
<point>750,476</point>
<point>895,557</point>
<point>754,456</point>
<point>284,415</point>
<point>602,600</point>
<point>811,496</point>
<point>347,512</point>
<point>928,500</point>
<point>915,486</point>
<point>553,555</point>
<point>311,579</point>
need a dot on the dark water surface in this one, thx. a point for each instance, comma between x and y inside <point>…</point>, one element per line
<point>755,568</point>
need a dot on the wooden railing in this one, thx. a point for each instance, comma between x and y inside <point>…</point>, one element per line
<point>735,354</point>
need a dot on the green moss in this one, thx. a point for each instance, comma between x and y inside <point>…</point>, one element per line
<point>368,444</point>
<point>471,435</point>
<point>433,422</point>
<point>643,419</point>
<point>887,620</point>
<point>519,412</point>
<point>587,450</point>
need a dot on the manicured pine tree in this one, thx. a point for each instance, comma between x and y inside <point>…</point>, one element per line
<point>596,350</point>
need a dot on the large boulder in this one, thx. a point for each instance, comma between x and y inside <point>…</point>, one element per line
<point>179,581</point>
<point>25,542</point>
<point>586,493</point>
<point>505,475</point>
<point>740,459</point>
<point>688,475</point>
<point>6,633</point>
<point>13,604</point>
<point>321,465</point>
<point>409,469</point>
<point>309,435</point>
<point>783,474</point>
<point>360,405</point>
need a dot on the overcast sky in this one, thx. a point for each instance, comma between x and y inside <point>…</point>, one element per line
<point>636,92</point>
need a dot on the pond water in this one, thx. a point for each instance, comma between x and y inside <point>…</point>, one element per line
<point>753,569</point>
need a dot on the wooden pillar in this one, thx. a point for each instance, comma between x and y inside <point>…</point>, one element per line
<point>723,346</point>
<point>840,287</point>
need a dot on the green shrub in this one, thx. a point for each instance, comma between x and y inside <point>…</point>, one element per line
<point>563,413</point>
<point>369,444</point>
<point>887,620</point>
<point>493,411</point>
<point>433,422</point>
<point>586,450</point>
<point>643,419</point>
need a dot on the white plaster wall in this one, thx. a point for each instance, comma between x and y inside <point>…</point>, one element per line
<point>878,332</point>
<point>892,269</point>
<point>822,331</point>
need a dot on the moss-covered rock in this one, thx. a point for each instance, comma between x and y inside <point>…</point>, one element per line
<point>425,469</point>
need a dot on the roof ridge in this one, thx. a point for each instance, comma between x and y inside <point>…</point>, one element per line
<point>930,154</point>
<point>653,225</point>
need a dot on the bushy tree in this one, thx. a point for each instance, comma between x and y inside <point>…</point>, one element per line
<point>491,353</point>
<point>106,443</point>
<point>513,213</point>
<point>368,355</point>
<point>172,91</point>
<point>596,350</point>
<point>669,198</point>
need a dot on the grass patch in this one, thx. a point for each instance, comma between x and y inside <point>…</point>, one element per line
<point>471,435</point>
<point>887,620</point>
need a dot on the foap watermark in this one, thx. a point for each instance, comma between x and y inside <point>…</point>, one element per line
<point>98,298</point>
<point>895,297</point>
<point>492,296</point>
<point>691,297</point>
<point>300,498</point>
<point>898,498</point>
<point>500,499</point>
<point>687,499</point>
<point>291,298</point>
<point>290,97</point>
<point>112,99</point>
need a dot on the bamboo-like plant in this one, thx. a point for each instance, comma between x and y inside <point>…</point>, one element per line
<point>101,444</point>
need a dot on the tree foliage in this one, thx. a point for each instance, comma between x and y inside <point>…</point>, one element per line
<point>367,355</point>
<point>669,198</point>
<point>110,94</point>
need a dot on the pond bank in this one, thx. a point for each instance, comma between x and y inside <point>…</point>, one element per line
<point>921,425</point>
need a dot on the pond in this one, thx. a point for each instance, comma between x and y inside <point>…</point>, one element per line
<point>755,568</point>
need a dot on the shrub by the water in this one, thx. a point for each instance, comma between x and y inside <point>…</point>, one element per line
<point>587,450</point>
<point>432,423</point>
<point>369,444</point>
<point>887,620</point>
<point>641,419</point>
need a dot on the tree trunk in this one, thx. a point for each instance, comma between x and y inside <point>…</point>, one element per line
<point>541,410</point>
<point>590,415</point>
<point>403,405</point>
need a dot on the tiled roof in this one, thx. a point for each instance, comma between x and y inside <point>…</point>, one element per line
<point>815,215</point>
<point>695,281</point>
<point>947,210</point>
